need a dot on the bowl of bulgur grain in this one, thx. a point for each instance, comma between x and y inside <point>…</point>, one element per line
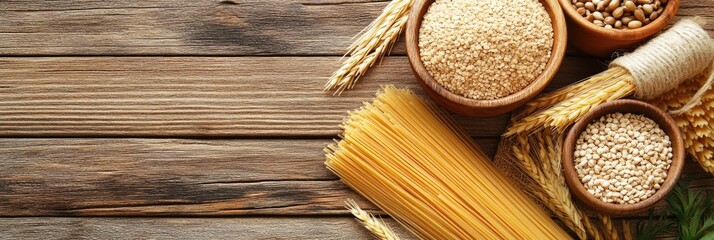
<point>484,58</point>
<point>601,27</point>
<point>623,157</point>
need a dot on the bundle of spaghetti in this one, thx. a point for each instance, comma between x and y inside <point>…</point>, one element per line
<point>694,123</point>
<point>679,53</point>
<point>411,160</point>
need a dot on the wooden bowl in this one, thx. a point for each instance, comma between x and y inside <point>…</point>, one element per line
<point>482,108</point>
<point>624,106</point>
<point>602,42</point>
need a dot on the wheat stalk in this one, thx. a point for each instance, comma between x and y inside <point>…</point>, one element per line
<point>372,44</point>
<point>374,225</point>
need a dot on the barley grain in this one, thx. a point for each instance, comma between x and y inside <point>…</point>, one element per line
<point>628,149</point>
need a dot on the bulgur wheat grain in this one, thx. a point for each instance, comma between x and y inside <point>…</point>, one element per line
<point>485,49</point>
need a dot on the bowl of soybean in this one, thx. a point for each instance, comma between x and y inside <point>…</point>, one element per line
<point>623,157</point>
<point>479,33</point>
<point>601,27</point>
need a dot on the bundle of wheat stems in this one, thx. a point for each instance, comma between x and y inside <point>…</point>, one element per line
<point>695,123</point>
<point>371,45</point>
<point>661,65</point>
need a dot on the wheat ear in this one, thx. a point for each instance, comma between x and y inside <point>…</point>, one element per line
<point>561,103</point>
<point>371,45</point>
<point>626,230</point>
<point>550,144</point>
<point>374,225</point>
<point>608,227</point>
<point>553,142</point>
<point>552,98</point>
<point>590,226</point>
<point>572,109</point>
<point>554,195</point>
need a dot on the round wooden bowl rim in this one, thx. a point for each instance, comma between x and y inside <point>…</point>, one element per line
<point>535,87</point>
<point>661,118</point>
<point>657,25</point>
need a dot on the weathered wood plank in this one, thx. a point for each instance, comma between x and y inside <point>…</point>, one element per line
<point>190,228</point>
<point>180,177</point>
<point>337,227</point>
<point>170,177</point>
<point>202,27</point>
<point>200,96</point>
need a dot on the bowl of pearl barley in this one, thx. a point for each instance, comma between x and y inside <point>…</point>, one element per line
<point>623,157</point>
<point>482,57</point>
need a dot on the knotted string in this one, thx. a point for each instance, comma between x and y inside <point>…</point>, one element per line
<point>680,53</point>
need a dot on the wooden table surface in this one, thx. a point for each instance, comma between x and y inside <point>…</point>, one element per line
<point>198,119</point>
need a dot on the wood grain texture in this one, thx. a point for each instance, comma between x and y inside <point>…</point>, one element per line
<point>182,177</point>
<point>338,227</point>
<point>253,228</point>
<point>185,87</point>
<point>201,27</point>
<point>167,177</point>
<point>200,96</point>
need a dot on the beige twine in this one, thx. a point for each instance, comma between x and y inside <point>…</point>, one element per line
<point>663,63</point>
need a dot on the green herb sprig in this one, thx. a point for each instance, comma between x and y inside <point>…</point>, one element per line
<point>692,210</point>
<point>693,216</point>
<point>653,227</point>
